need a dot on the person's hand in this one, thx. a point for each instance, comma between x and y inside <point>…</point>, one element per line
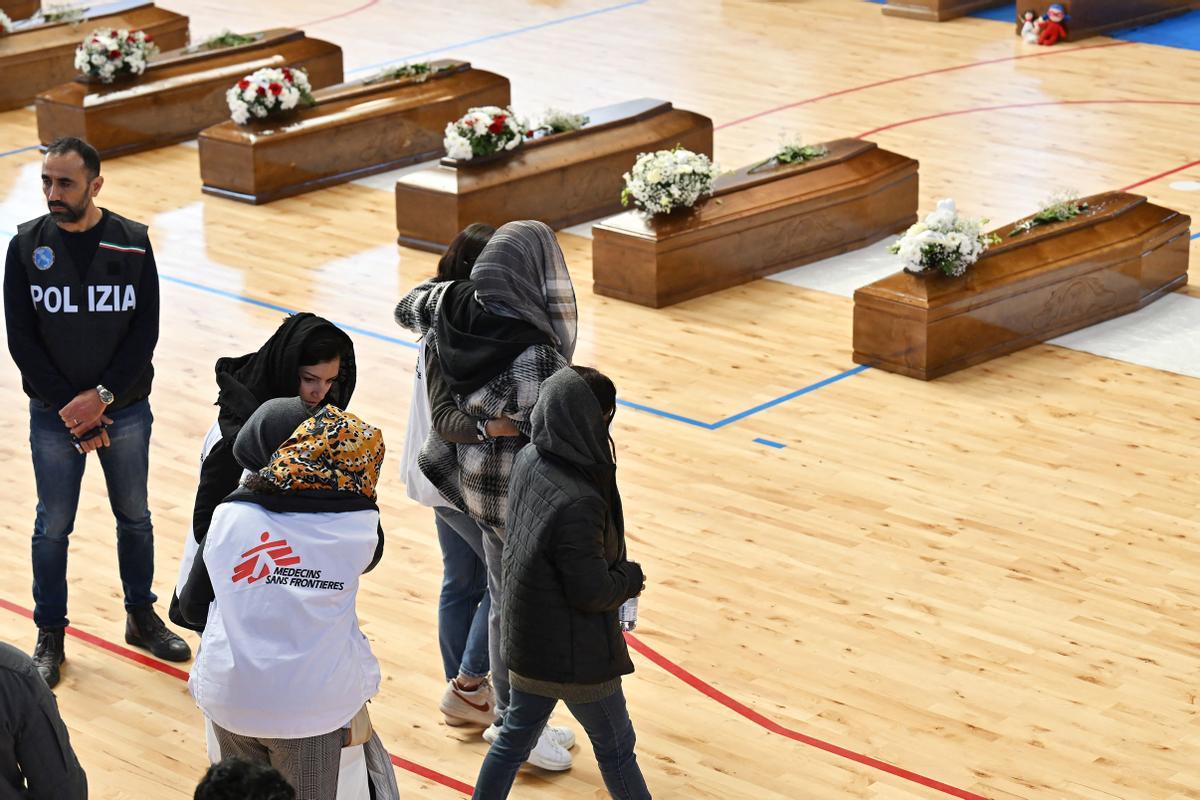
<point>96,442</point>
<point>501,426</point>
<point>83,412</point>
<point>642,588</point>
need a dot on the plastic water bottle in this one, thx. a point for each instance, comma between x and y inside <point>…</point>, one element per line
<point>628,614</point>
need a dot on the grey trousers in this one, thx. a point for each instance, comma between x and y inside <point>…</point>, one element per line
<point>493,553</point>
<point>310,765</point>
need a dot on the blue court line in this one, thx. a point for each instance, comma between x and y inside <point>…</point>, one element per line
<point>658,412</point>
<point>20,150</point>
<point>501,35</point>
<point>264,304</point>
<point>769,443</point>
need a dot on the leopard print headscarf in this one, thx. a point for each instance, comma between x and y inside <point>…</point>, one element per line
<point>333,450</point>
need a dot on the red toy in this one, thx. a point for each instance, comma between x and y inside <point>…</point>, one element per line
<point>1050,27</point>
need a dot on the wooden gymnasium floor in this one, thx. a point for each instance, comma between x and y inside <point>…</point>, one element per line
<point>979,587</point>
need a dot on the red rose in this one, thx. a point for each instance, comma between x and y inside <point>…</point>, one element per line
<point>114,53</point>
<point>497,125</point>
<point>260,91</point>
<point>275,88</point>
<point>243,84</point>
<point>287,73</point>
<point>149,38</point>
<point>113,34</point>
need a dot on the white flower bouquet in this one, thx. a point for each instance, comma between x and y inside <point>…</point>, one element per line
<point>944,242</point>
<point>108,53</point>
<point>1063,205</point>
<point>420,72</point>
<point>668,179</point>
<point>483,131</point>
<point>555,120</point>
<point>268,91</point>
<point>5,23</point>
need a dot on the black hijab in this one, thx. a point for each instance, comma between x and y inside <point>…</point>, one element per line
<point>475,345</point>
<point>246,382</point>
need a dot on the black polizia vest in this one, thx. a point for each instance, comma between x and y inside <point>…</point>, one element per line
<point>82,324</point>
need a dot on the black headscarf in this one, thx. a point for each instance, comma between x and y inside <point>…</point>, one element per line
<point>248,381</point>
<point>475,345</point>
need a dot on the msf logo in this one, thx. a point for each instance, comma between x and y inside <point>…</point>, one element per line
<point>278,552</point>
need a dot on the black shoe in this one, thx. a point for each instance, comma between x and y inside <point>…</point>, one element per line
<point>48,654</point>
<point>143,628</point>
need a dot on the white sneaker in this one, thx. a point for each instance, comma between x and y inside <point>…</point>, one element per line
<point>563,737</point>
<point>548,753</point>
<point>476,707</point>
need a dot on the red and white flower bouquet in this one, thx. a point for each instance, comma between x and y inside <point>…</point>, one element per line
<point>483,131</point>
<point>107,53</point>
<point>268,91</point>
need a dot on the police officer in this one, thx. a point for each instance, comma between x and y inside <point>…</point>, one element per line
<point>81,307</point>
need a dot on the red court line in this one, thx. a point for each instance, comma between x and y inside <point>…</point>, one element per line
<point>1040,103</point>
<point>175,672</point>
<point>437,777</point>
<point>901,78</point>
<point>774,727</point>
<point>1161,175</point>
<point>363,7</point>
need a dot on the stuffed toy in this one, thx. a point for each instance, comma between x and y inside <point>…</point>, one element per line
<point>1051,27</point>
<point>1029,31</point>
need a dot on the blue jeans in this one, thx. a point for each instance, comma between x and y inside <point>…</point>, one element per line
<point>464,603</point>
<point>58,473</point>
<point>607,725</point>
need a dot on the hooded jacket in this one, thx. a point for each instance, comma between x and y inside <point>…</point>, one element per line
<point>565,570</point>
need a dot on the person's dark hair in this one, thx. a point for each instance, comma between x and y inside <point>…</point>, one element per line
<point>73,144</point>
<point>235,779</point>
<point>606,394</point>
<point>324,344</point>
<point>460,256</point>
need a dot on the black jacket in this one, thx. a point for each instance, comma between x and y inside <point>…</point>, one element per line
<point>565,572</point>
<point>74,326</point>
<point>36,759</point>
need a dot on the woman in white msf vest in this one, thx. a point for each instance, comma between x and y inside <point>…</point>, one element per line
<point>284,672</point>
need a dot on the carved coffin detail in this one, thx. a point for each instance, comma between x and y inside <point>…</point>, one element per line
<point>1120,255</point>
<point>355,129</point>
<point>561,180</point>
<point>181,93</point>
<point>757,223</point>
<point>42,56</point>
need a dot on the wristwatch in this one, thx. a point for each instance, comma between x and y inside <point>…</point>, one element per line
<point>481,428</point>
<point>106,396</point>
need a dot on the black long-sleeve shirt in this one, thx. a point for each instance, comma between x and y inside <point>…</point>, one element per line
<point>38,370</point>
<point>36,759</point>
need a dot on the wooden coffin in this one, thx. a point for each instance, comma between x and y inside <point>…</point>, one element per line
<point>36,58</point>
<point>180,93</point>
<point>1094,17</point>
<point>20,9</point>
<point>757,221</point>
<point>1120,255</point>
<point>937,10</point>
<point>561,180</point>
<point>355,129</point>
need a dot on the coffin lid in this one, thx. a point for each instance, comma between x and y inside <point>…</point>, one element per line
<point>1112,218</point>
<point>664,226</point>
<point>599,119</point>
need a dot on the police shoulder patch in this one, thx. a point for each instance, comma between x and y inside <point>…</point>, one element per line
<point>43,258</point>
